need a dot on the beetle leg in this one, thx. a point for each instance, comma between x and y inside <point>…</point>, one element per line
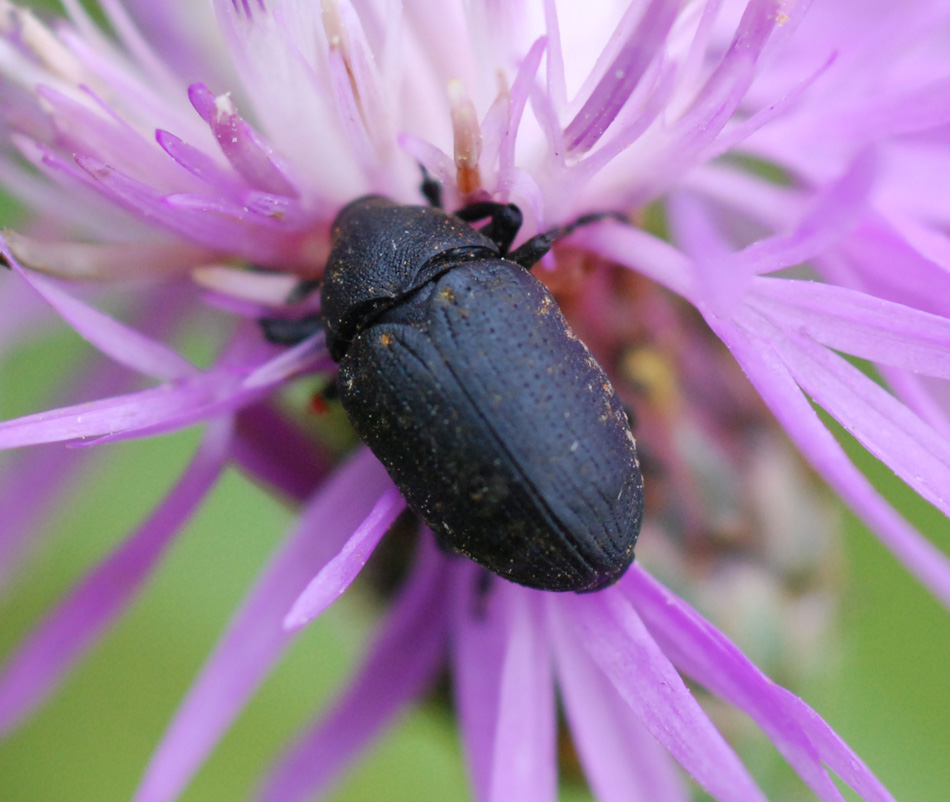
<point>431,188</point>
<point>303,290</point>
<point>281,331</point>
<point>529,253</point>
<point>504,221</point>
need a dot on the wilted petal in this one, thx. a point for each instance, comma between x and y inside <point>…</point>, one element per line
<point>255,640</point>
<point>104,260</point>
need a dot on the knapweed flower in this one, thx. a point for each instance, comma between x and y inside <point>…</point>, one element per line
<point>784,172</point>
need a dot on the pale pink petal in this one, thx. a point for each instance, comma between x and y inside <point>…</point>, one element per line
<point>524,754</point>
<point>480,633</point>
<point>858,324</point>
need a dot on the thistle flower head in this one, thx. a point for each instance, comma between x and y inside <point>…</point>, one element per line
<point>782,168</point>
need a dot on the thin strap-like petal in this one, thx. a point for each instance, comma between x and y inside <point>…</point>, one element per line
<point>255,640</point>
<point>781,392</point>
<point>704,653</point>
<point>621,760</point>
<point>608,627</point>
<point>123,344</point>
<point>337,575</point>
<point>401,663</point>
<point>85,614</point>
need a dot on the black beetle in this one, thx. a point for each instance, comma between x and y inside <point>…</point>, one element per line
<point>461,374</point>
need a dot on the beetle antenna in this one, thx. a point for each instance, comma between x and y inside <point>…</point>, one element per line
<point>530,252</point>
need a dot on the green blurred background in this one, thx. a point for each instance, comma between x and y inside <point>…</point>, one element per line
<point>888,695</point>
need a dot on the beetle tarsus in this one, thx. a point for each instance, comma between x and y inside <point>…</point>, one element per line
<point>504,221</point>
<point>282,331</point>
<point>431,188</point>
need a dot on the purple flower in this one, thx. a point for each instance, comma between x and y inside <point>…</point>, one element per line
<point>787,175</point>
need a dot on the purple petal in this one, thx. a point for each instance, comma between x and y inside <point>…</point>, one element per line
<point>611,632</point>
<point>200,164</point>
<point>84,615</point>
<point>480,632</point>
<point>621,77</point>
<point>255,639</point>
<point>401,664</point>
<point>883,425</point>
<point>621,760</point>
<point>337,575</point>
<point>38,479</point>
<point>869,256</point>
<point>832,213</point>
<point>275,451</point>
<point>247,151</point>
<point>780,391</point>
<point>703,652</point>
<point>212,226</point>
<point>125,345</point>
<point>218,391</point>
<point>524,759</point>
<point>31,491</point>
<point>858,324</point>
<point>645,253</point>
<point>718,99</point>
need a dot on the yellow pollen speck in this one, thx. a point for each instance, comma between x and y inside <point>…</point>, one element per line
<point>385,340</point>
